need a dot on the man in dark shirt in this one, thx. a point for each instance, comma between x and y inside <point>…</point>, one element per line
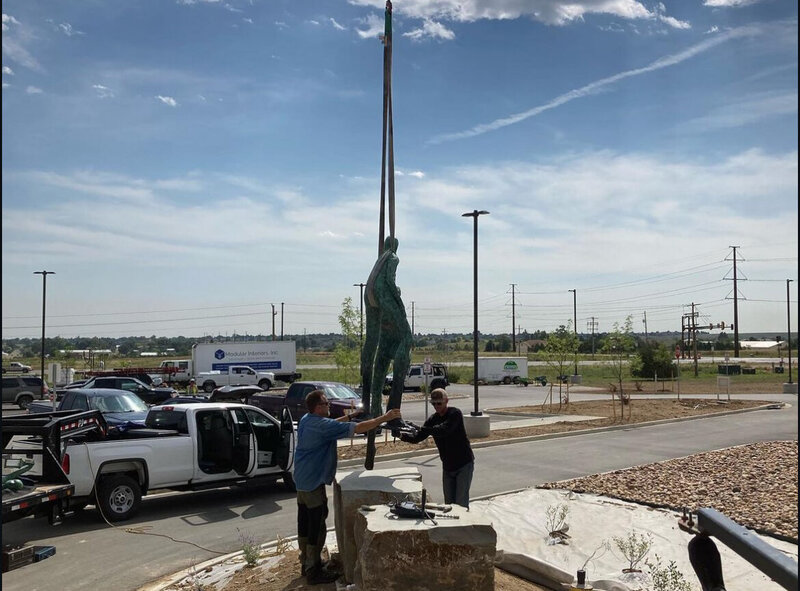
<point>446,427</point>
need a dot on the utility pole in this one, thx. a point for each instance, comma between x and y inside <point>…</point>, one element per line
<point>274,313</point>
<point>361,320</point>
<point>44,275</point>
<point>575,322</point>
<point>645,326</point>
<point>735,305</point>
<point>694,338</point>
<point>789,327</point>
<point>412,324</point>
<point>513,319</point>
<point>281,320</point>
<point>592,325</point>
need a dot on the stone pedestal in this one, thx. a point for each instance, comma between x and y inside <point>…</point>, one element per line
<point>400,554</point>
<point>476,426</point>
<point>353,489</point>
<point>790,388</point>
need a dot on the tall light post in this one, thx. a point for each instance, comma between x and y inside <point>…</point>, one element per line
<point>474,214</point>
<point>44,275</point>
<point>575,322</point>
<point>361,318</point>
<point>789,328</point>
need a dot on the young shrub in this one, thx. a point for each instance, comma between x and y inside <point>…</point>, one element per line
<point>634,548</point>
<point>556,523</point>
<point>251,549</point>
<point>667,578</point>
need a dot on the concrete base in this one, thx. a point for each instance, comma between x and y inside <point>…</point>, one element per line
<point>353,489</point>
<point>575,379</point>
<point>477,427</point>
<point>394,554</point>
<point>790,388</point>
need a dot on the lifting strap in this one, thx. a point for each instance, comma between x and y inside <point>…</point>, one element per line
<point>388,132</point>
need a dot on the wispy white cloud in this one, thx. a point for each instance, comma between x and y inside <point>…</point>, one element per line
<point>281,25</point>
<point>431,30</point>
<point>7,70</point>
<point>65,28</point>
<point>372,26</point>
<point>711,30</point>
<point>600,85</point>
<point>336,25</point>
<point>34,90</point>
<point>103,91</point>
<point>249,21</point>
<point>313,22</point>
<point>745,111</point>
<point>551,12</point>
<point>15,37</point>
<point>167,100</point>
<point>413,173</point>
<point>729,3</point>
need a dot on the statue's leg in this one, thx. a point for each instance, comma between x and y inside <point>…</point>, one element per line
<point>402,360</point>
<point>368,358</point>
<point>382,360</point>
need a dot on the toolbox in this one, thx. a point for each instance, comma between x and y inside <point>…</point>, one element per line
<point>42,552</point>
<point>16,556</point>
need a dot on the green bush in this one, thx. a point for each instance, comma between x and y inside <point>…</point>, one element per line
<point>652,359</point>
<point>454,375</point>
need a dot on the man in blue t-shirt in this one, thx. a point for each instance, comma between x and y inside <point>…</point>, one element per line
<point>315,466</point>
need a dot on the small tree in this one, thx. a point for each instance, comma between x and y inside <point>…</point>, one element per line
<point>634,548</point>
<point>346,353</point>
<point>560,350</point>
<point>619,344</point>
<point>667,578</point>
<point>652,359</point>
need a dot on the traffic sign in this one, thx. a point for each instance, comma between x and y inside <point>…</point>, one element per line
<point>427,368</point>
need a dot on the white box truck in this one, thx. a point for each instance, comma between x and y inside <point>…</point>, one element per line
<point>279,357</point>
<point>494,370</point>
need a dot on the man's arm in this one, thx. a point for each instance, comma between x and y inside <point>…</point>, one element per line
<point>371,424</point>
<point>446,427</point>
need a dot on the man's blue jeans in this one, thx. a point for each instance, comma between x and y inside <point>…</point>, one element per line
<point>456,485</point>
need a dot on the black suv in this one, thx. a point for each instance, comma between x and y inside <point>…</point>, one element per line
<point>22,390</point>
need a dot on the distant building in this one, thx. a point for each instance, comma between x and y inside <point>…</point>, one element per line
<point>148,354</point>
<point>759,344</point>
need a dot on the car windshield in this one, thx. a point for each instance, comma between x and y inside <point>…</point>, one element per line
<point>121,402</point>
<point>339,391</point>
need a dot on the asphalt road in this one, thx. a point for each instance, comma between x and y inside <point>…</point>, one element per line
<point>91,553</point>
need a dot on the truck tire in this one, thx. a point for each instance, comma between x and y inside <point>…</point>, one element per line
<point>288,481</point>
<point>437,384</point>
<point>208,386</point>
<point>265,384</point>
<point>118,497</point>
<point>506,380</point>
<point>24,400</point>
<point>516,380</point>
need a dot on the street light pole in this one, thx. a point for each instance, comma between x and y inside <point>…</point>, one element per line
<point>789,328</point>
<point>575,322</point>
<point>474,214</point>
<point>44,275</point>
<point>361,318</point>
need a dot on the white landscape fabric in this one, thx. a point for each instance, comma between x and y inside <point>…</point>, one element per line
<point>519,520</point>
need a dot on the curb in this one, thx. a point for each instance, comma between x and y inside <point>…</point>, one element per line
<point>479,444</point>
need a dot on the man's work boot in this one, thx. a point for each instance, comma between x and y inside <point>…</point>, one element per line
<point>319,576</point>
<point>302,543</point>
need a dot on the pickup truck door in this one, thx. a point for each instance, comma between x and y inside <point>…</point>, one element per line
<point>274,440</point>
<point>244,443</point>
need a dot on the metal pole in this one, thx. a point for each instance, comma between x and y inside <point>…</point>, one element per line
<point>474,214</point>
<point>575,322</point>
<point>361,317</point>
<point>789,328</point>
<point>44,275</point>
<point>281,320</point>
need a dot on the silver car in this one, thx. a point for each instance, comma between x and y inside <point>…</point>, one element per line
<point>22,390</point>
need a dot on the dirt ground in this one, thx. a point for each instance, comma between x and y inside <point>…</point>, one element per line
<point>285,576</point>
<point>639,410</point>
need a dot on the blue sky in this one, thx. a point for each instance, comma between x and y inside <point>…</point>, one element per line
<point>181,165</point>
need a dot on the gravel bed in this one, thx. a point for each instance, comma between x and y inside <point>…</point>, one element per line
<point>755,485</point>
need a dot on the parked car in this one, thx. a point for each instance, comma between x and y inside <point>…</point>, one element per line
<point>120,409</point>
<point>17,366</point>
<point>415,378</point>
<point>341,398</point>
<point>22,390</point>
<point>147,393</point>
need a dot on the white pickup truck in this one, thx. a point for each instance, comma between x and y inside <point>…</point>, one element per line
<point>184,447</point>
<point>235,375</point>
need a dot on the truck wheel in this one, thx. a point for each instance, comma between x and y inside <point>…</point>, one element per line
<point>288,481</point>
<point>437,384</point>
<point>506,380</point>
<point>208,387</point>
<point>118,497</point>
<point>24,400</point>
<point>265,384</point>
<point>516,380</point>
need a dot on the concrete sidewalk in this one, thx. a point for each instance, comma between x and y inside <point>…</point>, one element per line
<point>497,423</point>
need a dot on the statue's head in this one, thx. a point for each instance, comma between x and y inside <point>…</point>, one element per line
<point>390,244</point>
